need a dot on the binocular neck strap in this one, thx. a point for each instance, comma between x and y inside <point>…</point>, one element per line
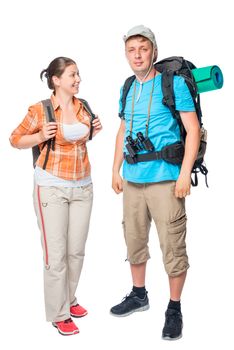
<point>149,108</point>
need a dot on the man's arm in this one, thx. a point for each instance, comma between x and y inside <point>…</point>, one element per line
<point>192,142</point>
<point>117,181</point>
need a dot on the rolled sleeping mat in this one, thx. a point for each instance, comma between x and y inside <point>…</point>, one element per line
<point>208,78</point>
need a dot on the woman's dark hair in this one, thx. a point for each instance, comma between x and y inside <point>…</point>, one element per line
<point>56,67</point>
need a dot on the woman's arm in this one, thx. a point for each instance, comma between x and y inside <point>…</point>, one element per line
<point>31,131</point>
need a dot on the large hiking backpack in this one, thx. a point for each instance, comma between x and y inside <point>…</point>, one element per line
<point>168,68</point>
<point>50,144</point>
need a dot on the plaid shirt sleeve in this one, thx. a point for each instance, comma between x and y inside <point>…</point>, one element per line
<point>69,160</point>
<point>29,125</point>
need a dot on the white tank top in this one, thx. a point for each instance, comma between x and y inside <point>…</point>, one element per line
<point>74,132</point>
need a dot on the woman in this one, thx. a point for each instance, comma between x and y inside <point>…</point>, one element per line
<point>63,190</point>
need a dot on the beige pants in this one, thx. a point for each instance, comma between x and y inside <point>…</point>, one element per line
<point>63,217</point>
<point>141,203</point>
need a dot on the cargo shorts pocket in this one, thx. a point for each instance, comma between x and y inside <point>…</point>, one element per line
<point>177,235</point>
<point>124,229</point>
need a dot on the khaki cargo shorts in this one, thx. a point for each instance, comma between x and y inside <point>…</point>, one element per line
<point>157,201</point>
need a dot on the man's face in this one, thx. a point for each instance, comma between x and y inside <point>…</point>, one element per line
<point>139,52</point>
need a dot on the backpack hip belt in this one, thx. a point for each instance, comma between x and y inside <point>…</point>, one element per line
<point>172,154</point>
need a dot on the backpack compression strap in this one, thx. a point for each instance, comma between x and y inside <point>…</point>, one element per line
<point>49,113</point>
<point>90,112</point>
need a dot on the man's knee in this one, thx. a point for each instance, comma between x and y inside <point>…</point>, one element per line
<point>177,266</point>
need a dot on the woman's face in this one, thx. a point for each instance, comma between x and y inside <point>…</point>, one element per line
<point>69,81</point>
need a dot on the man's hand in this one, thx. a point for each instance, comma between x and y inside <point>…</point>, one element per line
<point>117,183</point>
<point>183,185</point>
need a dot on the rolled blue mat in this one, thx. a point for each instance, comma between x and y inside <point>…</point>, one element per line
<point>208,78</point>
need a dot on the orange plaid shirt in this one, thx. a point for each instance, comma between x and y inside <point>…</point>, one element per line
<point>69,160</point>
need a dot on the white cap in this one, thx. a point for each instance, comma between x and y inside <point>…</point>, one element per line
<point>143,31</point>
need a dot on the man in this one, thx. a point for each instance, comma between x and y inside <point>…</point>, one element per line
<point>153,189</point>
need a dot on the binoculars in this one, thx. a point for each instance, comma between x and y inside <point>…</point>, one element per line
<point>140,143</point>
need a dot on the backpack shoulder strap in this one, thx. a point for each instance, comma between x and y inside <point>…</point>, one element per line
<point>168,91</point>
<point>169,98</point>
<point>49,113</point>
<point>90,112</point>
<point>126,88</point>
<point>87,107</point>
<point>49,110</point>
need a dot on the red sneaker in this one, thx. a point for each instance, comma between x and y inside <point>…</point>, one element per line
<point>66,327</point>
<point>77,311</point>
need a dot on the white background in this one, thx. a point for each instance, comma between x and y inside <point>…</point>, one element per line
<point>90,32</point>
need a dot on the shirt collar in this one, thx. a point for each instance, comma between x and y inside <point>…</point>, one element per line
<point>76,102</point>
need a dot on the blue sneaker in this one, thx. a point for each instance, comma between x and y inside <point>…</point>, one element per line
<point>172,329</point>
<point>131,303</point>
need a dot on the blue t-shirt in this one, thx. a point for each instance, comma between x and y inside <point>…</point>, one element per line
<point>163,128</point>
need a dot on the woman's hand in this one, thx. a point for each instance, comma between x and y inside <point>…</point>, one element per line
<point>48,131</point>
<point>97,126</point>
